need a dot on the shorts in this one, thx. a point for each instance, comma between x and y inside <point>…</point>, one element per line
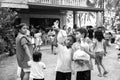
<point>83,75</point>
<point>26,69</point>
<point>63,76</point>
<point>37,79</point>
<point>98,57</point>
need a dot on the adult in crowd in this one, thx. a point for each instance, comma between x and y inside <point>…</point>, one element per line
<point>69,31</point>
<point>23,51</point>
<point>51,35</point>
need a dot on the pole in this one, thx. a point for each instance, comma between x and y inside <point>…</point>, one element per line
<point>103,12</point>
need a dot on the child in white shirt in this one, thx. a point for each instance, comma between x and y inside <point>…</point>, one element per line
<point>36,67</point>
<point>64,61</point>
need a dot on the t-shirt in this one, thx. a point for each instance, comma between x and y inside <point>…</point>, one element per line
<point>64,58</point>
<point>36,69</point>
<point>87,65</point>
<point>21,55</point>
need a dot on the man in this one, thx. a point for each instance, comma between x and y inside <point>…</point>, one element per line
<point>23,51</point>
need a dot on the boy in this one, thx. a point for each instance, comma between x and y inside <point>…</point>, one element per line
<point>63,68</point>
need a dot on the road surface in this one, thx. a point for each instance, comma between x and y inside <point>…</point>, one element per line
<point>8,66</point>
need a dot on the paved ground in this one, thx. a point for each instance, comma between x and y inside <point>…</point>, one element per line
<point>8,66</point>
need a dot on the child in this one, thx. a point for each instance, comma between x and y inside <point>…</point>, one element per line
<point>36,70</point>
<point>63,68</point>
<point>100,51</point>
<point>38,40</point>
<point>82,66</point>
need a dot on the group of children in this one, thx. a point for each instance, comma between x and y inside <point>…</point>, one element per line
<point>75,54</point>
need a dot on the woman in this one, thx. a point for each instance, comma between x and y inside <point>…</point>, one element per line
<point>23,51</point>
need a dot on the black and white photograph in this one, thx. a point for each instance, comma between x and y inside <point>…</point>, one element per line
<point>59,39</point>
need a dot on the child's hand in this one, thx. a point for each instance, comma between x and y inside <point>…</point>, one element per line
<point>73,72</point>
<point>105,53</point>
<point>82,48</point>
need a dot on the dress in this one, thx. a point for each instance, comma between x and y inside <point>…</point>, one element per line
<point>38,40</point>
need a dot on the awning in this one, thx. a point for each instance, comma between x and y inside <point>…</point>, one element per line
<point>63,7</point>
<point>14,3</point>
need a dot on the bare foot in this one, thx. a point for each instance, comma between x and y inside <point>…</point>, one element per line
<point>105,73</point>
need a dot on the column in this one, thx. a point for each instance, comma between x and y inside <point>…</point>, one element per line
<point>75,18</point>
<point>99,19</point>
<point>63,19</point>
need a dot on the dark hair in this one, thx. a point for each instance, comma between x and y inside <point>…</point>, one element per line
<point>75,26</point>
<point>90,33</point>
<point>99,35</point>
<point>21,25</point>
<point>73,38</point>
<point>37,56</point>
<point>82,31</point>
<point>64,26</point>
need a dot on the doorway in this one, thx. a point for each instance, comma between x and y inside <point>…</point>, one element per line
<point>43,23</point>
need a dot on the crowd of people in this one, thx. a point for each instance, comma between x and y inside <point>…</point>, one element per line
<point>75,49</point>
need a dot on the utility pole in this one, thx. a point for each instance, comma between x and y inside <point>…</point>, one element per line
<point>103,12</point>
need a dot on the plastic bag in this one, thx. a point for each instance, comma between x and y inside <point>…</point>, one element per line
<point>81,55</point>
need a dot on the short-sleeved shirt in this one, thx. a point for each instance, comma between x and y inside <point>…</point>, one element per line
<point>86,66</point>
<point>64,58</point>
<point>36,69</point>
<point>21,55</point>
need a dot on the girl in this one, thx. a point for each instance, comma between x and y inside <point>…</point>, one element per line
<point>100,51</point>
<point>36,70</point>
<point>38,40</point>
<point>82,66</point>
<point>63,68</point>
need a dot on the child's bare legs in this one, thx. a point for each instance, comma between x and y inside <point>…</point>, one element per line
<point>105,71</point>
<point>99,69</point>
<point>21,74</point>
<point>26,76</point>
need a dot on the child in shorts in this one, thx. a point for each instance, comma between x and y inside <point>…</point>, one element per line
<point>100,51</point>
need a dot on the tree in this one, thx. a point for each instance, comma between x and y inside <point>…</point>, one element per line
<point>112,6</point>
<point>7,19</point>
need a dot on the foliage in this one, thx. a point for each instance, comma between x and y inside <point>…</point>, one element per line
<point>112,6</point>
<point>7,19</point>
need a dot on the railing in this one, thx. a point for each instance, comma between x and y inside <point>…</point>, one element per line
<point>61,2</point>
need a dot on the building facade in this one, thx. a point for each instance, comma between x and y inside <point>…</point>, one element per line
<point>43,13</point>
